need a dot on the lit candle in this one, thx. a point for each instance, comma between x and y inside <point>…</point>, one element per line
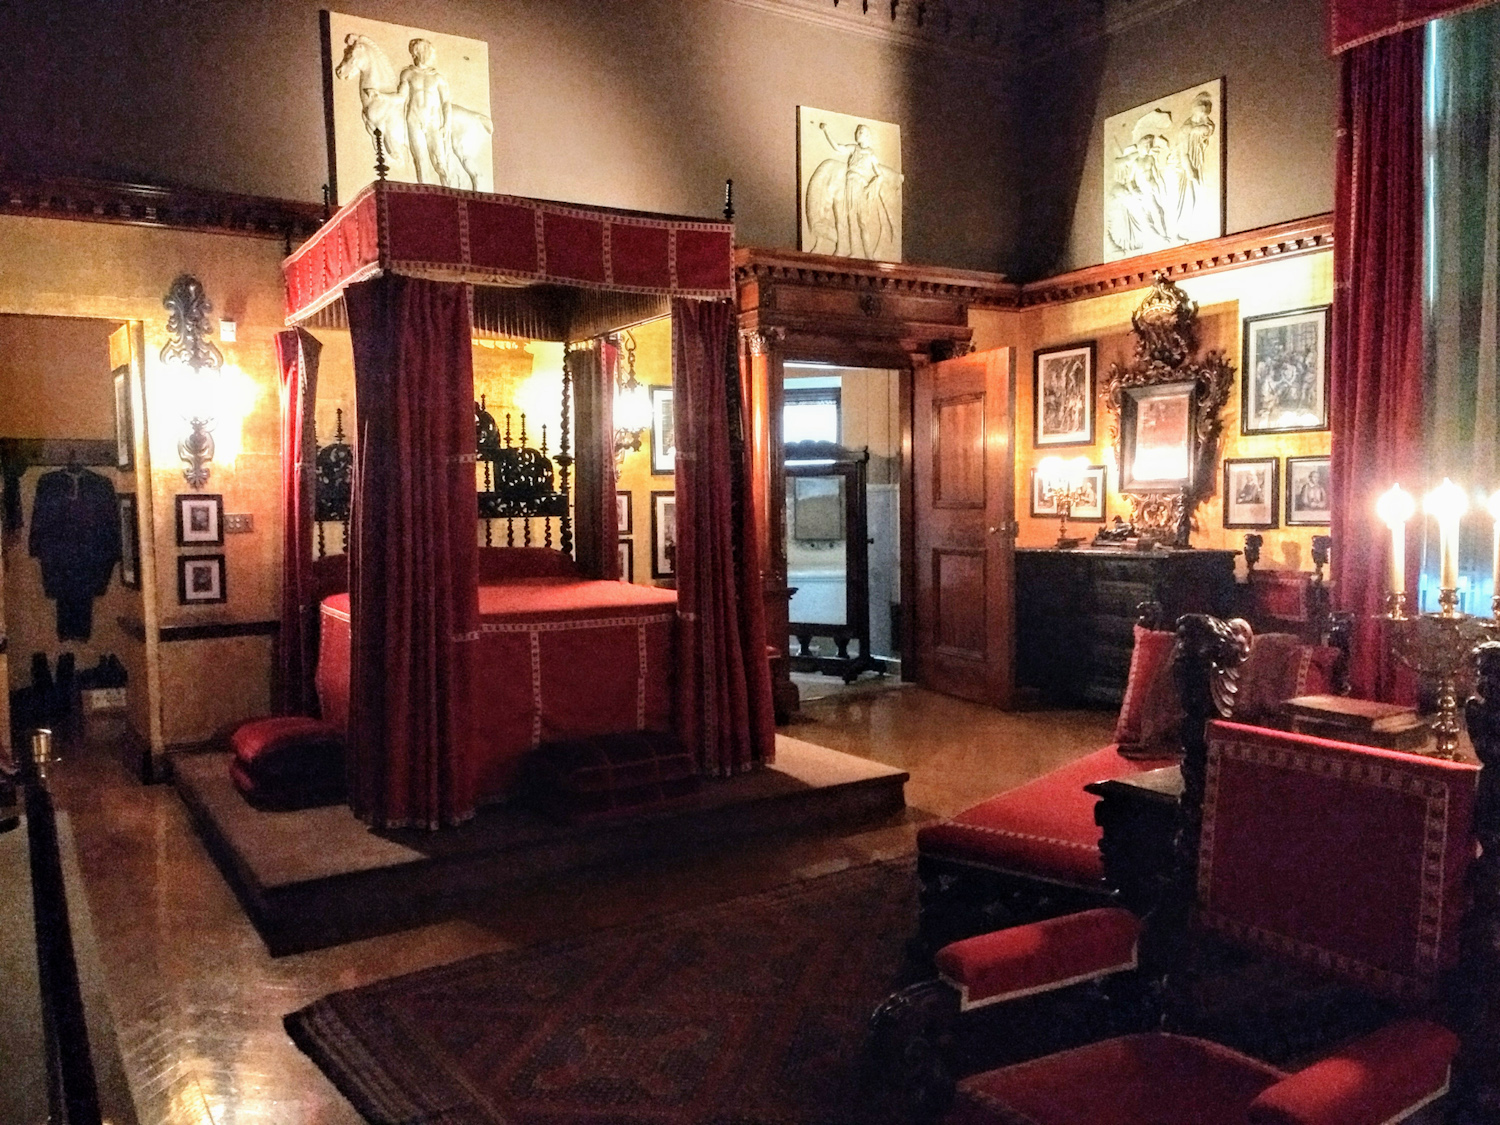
<point>1447,502</point>
<point>1495,566</point>
<point>1395,508</point>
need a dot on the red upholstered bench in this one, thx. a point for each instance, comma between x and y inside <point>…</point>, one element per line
<point>288,762</point>
<point>1033,852</point>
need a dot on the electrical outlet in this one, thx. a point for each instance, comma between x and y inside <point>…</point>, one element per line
<point>237,523</point>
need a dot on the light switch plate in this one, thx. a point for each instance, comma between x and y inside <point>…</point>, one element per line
<point>237,523</point>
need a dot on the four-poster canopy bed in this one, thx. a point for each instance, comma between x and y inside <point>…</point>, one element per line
<point>447,662</point>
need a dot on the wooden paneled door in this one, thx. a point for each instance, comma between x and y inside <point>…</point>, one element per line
<point>5,746</point>
<point>964,526</point>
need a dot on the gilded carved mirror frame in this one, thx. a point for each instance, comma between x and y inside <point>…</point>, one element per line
<point>1166,332</point>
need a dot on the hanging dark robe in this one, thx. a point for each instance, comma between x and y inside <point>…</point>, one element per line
<point>75,535</point>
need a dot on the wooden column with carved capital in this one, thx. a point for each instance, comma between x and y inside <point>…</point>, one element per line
<point>760,360</point>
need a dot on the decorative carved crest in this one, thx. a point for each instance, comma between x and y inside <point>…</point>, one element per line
<point>187,308</point>
<point>1166,330</point>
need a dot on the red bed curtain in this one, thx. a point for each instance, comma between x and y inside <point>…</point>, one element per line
<point>594,522</point>
<point>413,554</point>
<point>297,353</point>
<point>1377,333</point>
<point>724,712</point>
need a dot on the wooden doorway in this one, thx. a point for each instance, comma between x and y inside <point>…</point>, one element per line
<point>963,521</point>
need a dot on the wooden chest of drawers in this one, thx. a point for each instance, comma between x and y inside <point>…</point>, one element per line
<point>1075,613</point>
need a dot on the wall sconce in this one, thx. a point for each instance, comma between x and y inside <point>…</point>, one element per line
<point>192,352</point>
<point>632,407</point>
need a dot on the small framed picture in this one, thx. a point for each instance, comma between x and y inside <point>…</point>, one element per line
<point>200,580</point>
<point>663,432</point>
<point>623,518</point>
<point>124,427</point>
<point>1309,498</point>
<point>200,520</point>
<point>1089,508</point>
<point>626,548</point>
<point>1251,492</point>
<point>130,541</point>
<point>1063,397</point>
<point>1284,386</point>
<point>1157,437</point>
<point>663,535</point>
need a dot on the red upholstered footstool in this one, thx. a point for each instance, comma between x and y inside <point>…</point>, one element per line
<point>289,762</point>
<point>610,775</point>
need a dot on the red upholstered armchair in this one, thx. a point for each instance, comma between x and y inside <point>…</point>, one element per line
<point>1304,866</point>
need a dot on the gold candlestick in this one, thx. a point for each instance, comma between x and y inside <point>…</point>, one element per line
<point>1438,645</point>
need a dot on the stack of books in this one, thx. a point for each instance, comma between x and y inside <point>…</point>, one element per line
<point>1391,726</point>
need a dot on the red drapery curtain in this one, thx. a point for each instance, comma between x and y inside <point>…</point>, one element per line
<point>413,554</point>
<point>297,643</point>
<point>1377,334</point>
<point>1355,22</point>
<point>594,522</point>
<point>724,711</point>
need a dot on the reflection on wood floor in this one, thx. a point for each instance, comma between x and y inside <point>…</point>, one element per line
<point>198,1002</point>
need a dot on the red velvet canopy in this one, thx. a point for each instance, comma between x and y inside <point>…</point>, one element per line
<point>419,268</point>
<point>417,230</point>
<point>1352,22</point>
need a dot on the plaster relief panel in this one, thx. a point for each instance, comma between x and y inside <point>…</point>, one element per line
<point>427,93</point>
<point>849,185</point>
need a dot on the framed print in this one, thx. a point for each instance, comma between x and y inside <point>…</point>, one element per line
<point>200,580</point>
<point>130,541</point>
<point>663,432</point>
<point>1157,433</point>
<point>1163,172</point>
<point>1063,396</point>
<point>1284,384</point>
<point>663,535</point>
<point>428,93</point>
<point>623,517</point>
<point>124,427</point>
<point>626,549</point>
<point>817,509</point>
<point>200,520</point>
<point>1088,509</point>
<point>848,185</point>
<point>1251,492</point>
<point>1309,501</point>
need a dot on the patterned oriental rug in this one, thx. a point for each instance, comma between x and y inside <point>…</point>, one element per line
<point>746,1012</point>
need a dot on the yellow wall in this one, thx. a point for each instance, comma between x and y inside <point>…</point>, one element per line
<point>653,368</point>
<point>1224,300</point>
<point>116,272</point>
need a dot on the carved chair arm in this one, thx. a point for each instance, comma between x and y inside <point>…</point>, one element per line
<point>1380,1077</point>
<point>1026,960</point>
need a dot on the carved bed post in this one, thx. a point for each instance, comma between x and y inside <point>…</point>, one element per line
<point>1477,1071</point>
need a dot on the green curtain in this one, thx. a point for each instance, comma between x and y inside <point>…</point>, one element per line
<point>1463,274</point>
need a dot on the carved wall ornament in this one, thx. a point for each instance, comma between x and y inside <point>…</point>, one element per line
<point>1166,331</point>
<point>849,185</point>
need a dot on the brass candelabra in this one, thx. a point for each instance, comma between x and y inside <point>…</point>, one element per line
<point>1438,645</point>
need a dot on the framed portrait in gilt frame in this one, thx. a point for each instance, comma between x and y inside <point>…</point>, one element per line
<point>1064,395</point>
<point>124,424</point>
<point>663,432</point>
<point>663,535</point>
<point>626,549</point>
<point>1090,508</point>
<point>1309,497</point>
<point>130,542</point>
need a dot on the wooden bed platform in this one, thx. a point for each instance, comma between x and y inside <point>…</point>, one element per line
<point>319,877</point>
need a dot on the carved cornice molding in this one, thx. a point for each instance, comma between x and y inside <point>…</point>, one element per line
<point>754,264</point>
<point>1282,240</point>
<point>996,33</point>
<point>58,197</point>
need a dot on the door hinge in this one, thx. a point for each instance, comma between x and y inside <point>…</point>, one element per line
<point>1009,528</point>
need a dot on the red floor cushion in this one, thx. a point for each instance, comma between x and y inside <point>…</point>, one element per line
<point>1044,828</point>
<point>288,762</point>
<point>610,775</point>
<point>1156,1078</point>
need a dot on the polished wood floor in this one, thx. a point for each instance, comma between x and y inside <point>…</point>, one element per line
<point>197,1001</point>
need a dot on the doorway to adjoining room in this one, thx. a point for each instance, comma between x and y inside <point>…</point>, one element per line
<point>841,430</point>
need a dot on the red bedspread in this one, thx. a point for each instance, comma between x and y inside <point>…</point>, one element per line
<point>558,658</point>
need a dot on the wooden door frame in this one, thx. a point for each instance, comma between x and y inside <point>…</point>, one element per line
<point>814,308</point>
